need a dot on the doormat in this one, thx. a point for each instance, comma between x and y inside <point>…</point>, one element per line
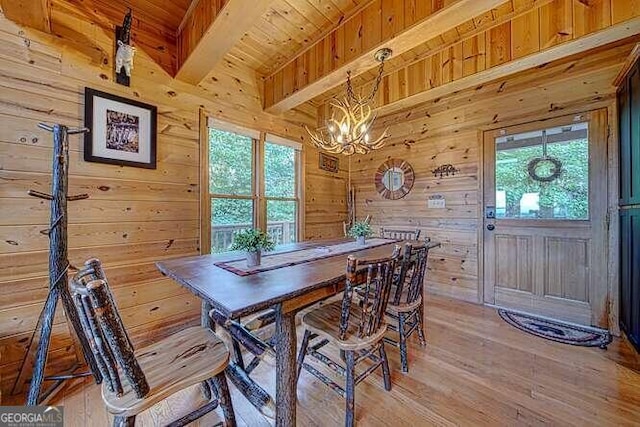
<point>554,330</point>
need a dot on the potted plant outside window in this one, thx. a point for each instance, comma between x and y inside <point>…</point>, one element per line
<point>360,231</point>
<point>252,242</point>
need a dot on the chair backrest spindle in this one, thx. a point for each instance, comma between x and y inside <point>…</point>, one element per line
<point>92,270</point>
<point>410,281</point>
<point>375,291</point>
<point>104,329</point>
<point>102,355</point>
<point>116,336</point>
<point>391,233</point>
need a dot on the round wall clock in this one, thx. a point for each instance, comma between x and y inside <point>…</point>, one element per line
<point>394,179</point>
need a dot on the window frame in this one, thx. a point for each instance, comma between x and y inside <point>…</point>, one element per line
<point>258,195</point>
<point>540,128</point>
<point>595,132</point>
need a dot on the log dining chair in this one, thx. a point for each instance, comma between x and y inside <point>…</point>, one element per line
<point>355,326</point>
<point>392,233</point>
<point>135,381</point>
<point>406,304</point>
<point>256,325</point>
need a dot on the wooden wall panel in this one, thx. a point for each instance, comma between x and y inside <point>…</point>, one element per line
<point>446,131</point>
<point>452,268</point>
<point>556,23</point>
<point>195,26</point>
<point>397,34</point>
<point>591,16</point>
<point>478,26</point>
<point>498,45</point>
<point>622,10</point>
<point>134,216</point>
<point>526,36</point>
<point>325,197</point>
<point>453,113</point>
<point>507,35</point>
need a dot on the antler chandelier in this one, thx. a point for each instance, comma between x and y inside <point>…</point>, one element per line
<point>348,130</point>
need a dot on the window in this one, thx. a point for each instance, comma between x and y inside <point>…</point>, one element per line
<point>561,190</point>
<point>248,189</point>
<point>281,191</point>
<point>231,186</point>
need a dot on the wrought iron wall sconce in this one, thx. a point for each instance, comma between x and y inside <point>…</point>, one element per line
<point>445,170</point>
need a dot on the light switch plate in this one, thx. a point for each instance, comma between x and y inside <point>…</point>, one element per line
<point>436,202</point>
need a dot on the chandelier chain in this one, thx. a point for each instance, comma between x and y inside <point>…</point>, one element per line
<point>351,94</point>
<point>348,130</point>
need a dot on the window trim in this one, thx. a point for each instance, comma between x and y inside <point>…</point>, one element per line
<point>583,123</point>
<point>260,139</point>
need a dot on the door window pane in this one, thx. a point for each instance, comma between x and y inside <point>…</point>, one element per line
<point>227,217</point>
<point>230,163</point>
<point>279,170</point>
<point>281,220</point>
<point>543,174</point>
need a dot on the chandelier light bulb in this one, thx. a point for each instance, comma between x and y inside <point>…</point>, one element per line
<point>352,119</point>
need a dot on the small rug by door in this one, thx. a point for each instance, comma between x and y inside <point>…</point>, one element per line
<point>557,331</point>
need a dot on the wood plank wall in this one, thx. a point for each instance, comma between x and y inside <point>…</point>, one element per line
<point>134,217</point>
<point>491,40</point>
<point>396,24</point>
<point>195,26</point>
<point>447,131</point>
<point>325,197</point>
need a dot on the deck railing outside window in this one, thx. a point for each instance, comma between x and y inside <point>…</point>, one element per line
<point>222,235</point>
<point>253,183</point>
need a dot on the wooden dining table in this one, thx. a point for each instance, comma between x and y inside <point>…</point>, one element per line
<point>291,278</point>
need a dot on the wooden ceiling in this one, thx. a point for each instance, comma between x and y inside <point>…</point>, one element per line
<point>302,49</point>
<point>285,29</point>
<point>288,27</point>
<point>167,13</point>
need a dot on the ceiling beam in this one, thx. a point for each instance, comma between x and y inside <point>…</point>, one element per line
<point>628,64</point>
<point>350,47</point>
<point>30,13</point>
<point>579,45</point>
<point>211,31</point>
<point>187,15</point>
<point>440,43</point>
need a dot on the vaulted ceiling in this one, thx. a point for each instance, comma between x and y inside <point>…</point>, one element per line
<point>300,50</point>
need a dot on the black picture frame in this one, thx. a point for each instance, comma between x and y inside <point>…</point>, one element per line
<point>122,131</point>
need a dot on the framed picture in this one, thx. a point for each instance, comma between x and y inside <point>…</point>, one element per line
<point>121,131</point>
<point>328,163</point>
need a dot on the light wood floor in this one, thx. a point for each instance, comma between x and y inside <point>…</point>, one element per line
<point>476,370</point>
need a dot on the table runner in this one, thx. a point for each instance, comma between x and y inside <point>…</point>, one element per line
<point>286,259</point>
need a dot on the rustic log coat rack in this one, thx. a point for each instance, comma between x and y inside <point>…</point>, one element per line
<point>58,268</point>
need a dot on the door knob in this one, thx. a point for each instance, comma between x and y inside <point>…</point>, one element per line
<point>491,227</point>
